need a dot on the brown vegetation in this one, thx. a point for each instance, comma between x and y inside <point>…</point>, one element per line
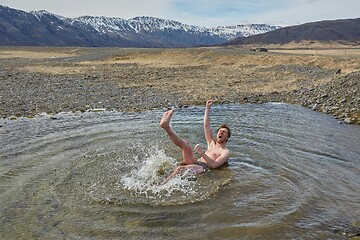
<point>179,76</point>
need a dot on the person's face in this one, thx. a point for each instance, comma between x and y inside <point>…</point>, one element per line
<point>222,135</point>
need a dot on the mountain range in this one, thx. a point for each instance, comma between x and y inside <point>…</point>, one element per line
<point>42,28</point>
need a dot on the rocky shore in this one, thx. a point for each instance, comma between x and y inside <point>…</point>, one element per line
<point>52,80</point>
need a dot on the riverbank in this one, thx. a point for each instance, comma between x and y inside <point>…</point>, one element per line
<point>52,80</point>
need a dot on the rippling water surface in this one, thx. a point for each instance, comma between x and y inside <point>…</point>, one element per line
<point>293,174</point>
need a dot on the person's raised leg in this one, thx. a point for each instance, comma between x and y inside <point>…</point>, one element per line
<point>165,124</point>
<point>178,141</point>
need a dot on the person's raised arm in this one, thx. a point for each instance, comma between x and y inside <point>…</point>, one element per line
<point>207,130</point>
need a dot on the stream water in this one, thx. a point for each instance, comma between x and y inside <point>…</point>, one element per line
<point>293,174</point>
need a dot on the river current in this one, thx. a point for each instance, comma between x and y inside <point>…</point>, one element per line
<point>293,174</point>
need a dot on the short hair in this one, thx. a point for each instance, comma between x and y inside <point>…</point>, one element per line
<point>225,126</point>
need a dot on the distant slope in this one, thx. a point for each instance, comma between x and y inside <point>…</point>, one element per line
<point>346,30</point>
<point>42,28</point>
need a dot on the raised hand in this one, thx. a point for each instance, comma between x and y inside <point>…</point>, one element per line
<point>209,103</point>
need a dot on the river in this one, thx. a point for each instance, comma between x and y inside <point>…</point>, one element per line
<point>293,174</point>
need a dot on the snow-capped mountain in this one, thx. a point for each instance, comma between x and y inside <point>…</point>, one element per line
<point>243,30</point>
<point>42,13</point>
<point>138,25</point>
<point>45,28</point>
<point>152,24</point>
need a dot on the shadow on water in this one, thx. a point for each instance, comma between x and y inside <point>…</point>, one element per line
<point>293,173</point>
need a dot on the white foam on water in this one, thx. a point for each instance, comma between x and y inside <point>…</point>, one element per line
<point>147,178</point>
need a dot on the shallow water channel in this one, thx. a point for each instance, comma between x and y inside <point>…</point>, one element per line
<point>293,174</point>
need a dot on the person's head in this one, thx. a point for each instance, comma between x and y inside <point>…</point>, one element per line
<point>223,133</point>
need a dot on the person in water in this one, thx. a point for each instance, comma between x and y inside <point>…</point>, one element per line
<point>216,154</point>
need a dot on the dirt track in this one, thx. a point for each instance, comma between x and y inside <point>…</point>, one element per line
<point>35,80</point>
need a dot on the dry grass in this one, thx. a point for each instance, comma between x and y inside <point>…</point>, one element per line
<point>33,54</point>
<point>215,71</point>
<point>326,58</point>
<point>187,76</point>
<point>215,59</point>
<point>321,52</point>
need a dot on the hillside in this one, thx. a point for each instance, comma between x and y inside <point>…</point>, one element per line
<point>346,31</point>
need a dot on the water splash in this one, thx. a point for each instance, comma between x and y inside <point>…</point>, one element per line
<point>147,178</point>
<point>134,175</point>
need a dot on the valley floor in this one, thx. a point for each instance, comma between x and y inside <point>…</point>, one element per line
<point>52,80</point>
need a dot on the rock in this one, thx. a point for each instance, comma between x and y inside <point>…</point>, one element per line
<point>353,232</point>
<point>98,110</point>
<point>314,107</point>
<point>349,120</point>
<point>324,96</point>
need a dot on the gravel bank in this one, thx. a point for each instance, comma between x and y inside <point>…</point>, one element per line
<point>137,80</point>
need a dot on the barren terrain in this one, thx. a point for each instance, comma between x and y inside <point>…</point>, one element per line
<point>35,80</point>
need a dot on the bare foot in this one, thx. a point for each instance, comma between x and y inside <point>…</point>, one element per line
<point>165,120</point>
